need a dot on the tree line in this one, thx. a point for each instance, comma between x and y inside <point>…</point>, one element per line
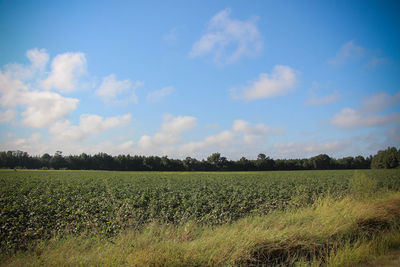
<point>389,158</point>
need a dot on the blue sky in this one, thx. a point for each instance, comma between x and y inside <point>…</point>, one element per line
<point>188,78</point>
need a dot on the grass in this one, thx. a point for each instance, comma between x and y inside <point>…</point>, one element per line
<point>347,232</point>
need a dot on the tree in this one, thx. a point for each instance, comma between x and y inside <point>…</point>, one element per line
<point>321,162</point>
<point>214,158</point>
<point>191,164</point>
<point>45,160</point>
<point>58,161</point>
<point>386,159</point>
<point>264,163</point>
<point>165,163</point>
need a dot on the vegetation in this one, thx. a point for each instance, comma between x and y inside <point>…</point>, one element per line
<point>215,162</point>
<point>40,205</point>
<point>346,232</point>
<point>387,159</point>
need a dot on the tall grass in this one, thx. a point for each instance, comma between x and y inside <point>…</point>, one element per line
<point>362,186</point>
<point>332,232</point>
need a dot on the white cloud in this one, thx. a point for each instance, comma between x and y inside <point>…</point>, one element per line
<point>360,144</point>
<point>111,148</point>
<point>214,142</point>
<point>253,134</point>
<point>65,71</point>
<point>111,89</point>
<point>21,72</point>
<point>31,144</point>
<point>307,148</point>
<point>10,89</point>
<point>38,58</point>
<point>44,108</point>
<point>349,118</point>
<point>88,124</point>
<point>168,135</point>
<point>36,145</point>
<point>349,50</point>
<point>41,108</point>
<point>280,82</point>
<point>380,102</point>
<point>7,116</point>
<point>322,100</point>
<point>158,95</point>
<point>176,125</point>
<point>243,138</point>
<point>228,39</point>
<point>247,128</point>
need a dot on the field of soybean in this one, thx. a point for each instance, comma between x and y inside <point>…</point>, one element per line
<point>39,205</point>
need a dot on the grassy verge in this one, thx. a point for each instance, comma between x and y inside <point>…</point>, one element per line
<point>333,233</point>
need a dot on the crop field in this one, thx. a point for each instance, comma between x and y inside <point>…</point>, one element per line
<point>39,205</point>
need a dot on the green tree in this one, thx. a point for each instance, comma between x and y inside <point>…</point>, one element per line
<point>386,159</point>
<point>321,162</point>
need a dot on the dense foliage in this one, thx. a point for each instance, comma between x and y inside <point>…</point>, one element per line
<point>37,205</point>
<point>386,159</point>
<point>215,162</point>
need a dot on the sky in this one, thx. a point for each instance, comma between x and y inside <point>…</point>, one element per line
<point>289,79</point>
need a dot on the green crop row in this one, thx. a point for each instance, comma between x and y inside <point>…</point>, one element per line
<point>38,205</point>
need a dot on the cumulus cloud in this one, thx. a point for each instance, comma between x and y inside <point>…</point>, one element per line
<point>214,142</point>
<point>349,50</point>
<point>279,82</point>
<point>88,124</point>
<point>380,101</point>
<point>349,118</point>
<point>41,108</point>
<point>38,58</point>
<point>228,40</point>
<point>35,145</point>
<point>159,95</point>
<point>243,137</point>
<point>168,135</point>
<point>10,88</point>
<point>308,148</point>
<point>253,134</point>
<point>32,144</point>
<point>322,100</point>
<point>44,108</point>
<point>26,90</point>
<point>65,71</point>
<point>111,89</point>
<point>360,144</point>
<point>111,148</point>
